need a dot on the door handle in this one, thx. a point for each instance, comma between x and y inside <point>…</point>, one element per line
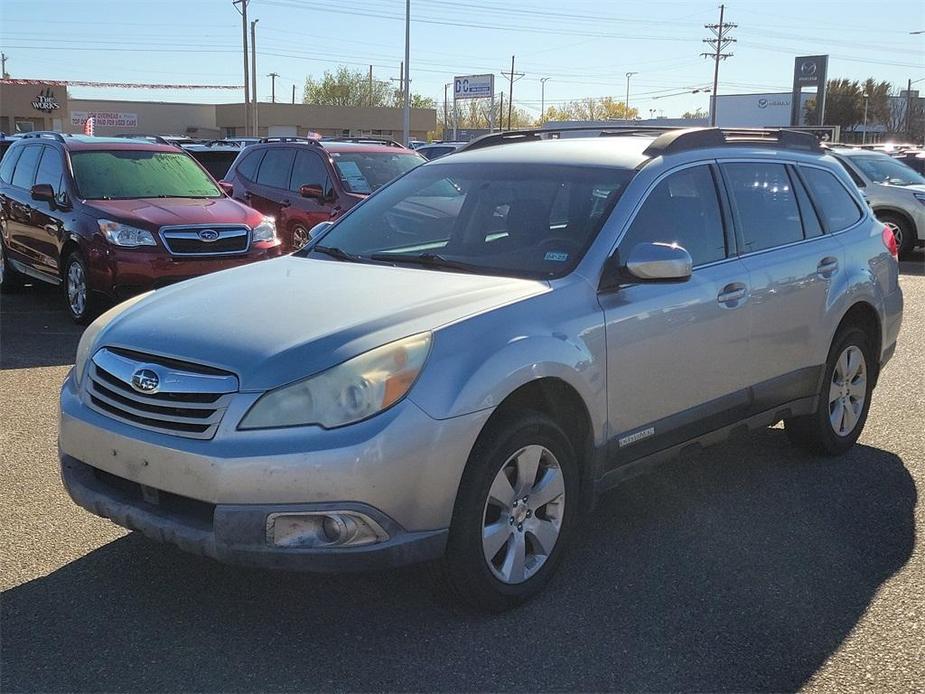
<point>732,294</point>
<point>827,266</point>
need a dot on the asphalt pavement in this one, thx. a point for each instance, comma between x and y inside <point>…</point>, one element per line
<point>750,566</point>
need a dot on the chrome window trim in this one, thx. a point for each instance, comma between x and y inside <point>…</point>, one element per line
<point>177,230</point>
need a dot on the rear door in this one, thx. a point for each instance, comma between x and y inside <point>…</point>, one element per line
<point>308,169</point>
<point>269,193</point>
<point>44,233</point>
<point>677,353</point>
<point>792,263</point>
<point>18,204</point>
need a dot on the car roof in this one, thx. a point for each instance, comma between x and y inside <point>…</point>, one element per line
<point>334,146</point>
<point>90,142</point>
<point>623,152</point>
<point>855,152</point>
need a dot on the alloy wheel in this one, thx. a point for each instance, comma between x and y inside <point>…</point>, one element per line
<point>299,238</point>
<point>897,232</point>
<point>76,288</point>
<point>523,514</point>
<point>848,390</point>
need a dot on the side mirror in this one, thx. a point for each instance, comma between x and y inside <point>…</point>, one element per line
<point>227,188</point>
<point>318,229</point>
<point>43,191</point>
<point>311,191</point>
<point>659,262</point>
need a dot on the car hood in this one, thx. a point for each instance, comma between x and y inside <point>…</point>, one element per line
<point>278,321</point>
<point>154,213</point>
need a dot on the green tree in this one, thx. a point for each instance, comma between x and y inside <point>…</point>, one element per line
<point>603,108</point>
<point>844,103</point>
<point>346,87</point>
<point>699,113</point>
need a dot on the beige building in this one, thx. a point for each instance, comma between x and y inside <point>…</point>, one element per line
<point>27,105</point>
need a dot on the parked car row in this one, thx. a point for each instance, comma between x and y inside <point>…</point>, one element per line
<point>108,218</point>
<point>478,350</point>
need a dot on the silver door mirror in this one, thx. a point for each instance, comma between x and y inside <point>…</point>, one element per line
<point>318,230</point>
<point>659,262</point>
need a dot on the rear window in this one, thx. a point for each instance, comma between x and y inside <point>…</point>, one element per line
<point>8,164</point>
<point>248,166</point>
<point>25,167</point>
<point>838,208</point>
<point>367,172</point>
<point>121,174</point>
<point>275,168</point>
<point>764,203</point>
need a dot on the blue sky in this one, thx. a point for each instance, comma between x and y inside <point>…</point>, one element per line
<point>584,47</point>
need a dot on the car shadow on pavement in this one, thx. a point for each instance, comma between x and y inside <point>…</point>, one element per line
<point>741,568</point>
<point>35,328</point>
<point>914,264</point>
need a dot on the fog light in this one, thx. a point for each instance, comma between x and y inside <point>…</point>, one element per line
<point>323,529</point>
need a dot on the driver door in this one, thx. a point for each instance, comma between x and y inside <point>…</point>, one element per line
<point>677,353</point>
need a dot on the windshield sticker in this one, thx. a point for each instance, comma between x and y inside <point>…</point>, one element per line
<point>556,256</point>
<point>354,177</point>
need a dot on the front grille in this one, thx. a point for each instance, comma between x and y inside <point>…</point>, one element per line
<point>206,240</point>
<point>187,400</point>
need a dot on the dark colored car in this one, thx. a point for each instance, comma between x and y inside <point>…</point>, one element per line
<point>302,182</point>
<point>110,218</point>
<point>216,156</point>
<point>439,149</point>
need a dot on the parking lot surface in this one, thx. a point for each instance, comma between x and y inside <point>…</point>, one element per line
<point>750,566</point>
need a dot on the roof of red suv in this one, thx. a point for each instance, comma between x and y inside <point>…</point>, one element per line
<point>86,142</point>
<point>334,146</point>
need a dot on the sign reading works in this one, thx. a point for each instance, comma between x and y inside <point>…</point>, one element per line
<point>104,119</point>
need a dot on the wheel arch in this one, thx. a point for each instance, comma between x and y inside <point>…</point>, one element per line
<point>905,216</point>
<point>862,314</point>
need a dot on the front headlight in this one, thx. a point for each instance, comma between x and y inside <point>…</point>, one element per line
<point>347,393</point>
<point>266,230</point>
<point>123,235</point>
<point>85,348</point>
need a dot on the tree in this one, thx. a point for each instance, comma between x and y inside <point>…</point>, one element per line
<point>475,114</point>
<point>698,114</point>
<point>346,87</point>
<point>604,108</point>
<point>844,103</point>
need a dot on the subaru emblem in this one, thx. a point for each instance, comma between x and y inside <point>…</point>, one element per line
<point>146,381</point>
<point>208,235</point>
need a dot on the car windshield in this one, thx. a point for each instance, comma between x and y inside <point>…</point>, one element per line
<point>503,219</point>
<point>367,172</point>
<point>124,174</point>
<point>884,169</point>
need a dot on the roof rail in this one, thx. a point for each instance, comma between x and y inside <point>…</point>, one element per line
<point>388,142</point>
<point>44,133</point>
<point>534,134</point>
<point>155,139</point>
<point>287,138</point>
<point>699,138</point>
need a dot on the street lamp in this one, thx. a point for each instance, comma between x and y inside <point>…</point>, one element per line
<point>543,98</point>
<point>406,107</point>
<point>864,134</point>
<point>626,104</point>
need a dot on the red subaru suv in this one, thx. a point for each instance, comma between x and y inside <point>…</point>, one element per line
<point>112,217</point>
<point>301,181</point>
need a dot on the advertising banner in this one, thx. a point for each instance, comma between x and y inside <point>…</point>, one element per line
<point>105,119</point>
<point>474,87</point>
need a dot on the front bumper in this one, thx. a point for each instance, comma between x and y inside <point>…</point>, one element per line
<point>402,468</point>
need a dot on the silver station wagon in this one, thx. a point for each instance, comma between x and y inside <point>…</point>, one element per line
<point>454,370</point>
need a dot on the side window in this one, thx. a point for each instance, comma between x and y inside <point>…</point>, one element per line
<point>764,204</point>
<point>682,209</point>
<point>858,181</point>
<point>8,164</point>
<point>811,226</point>
<point>25,167</point>
<point>248,166</point>
<point>308,170</point>
<point>51,169</point>
<point>838,208</point>
<point>275,167</point>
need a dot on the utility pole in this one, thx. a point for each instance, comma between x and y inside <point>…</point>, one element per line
<point>908,108</point>
<point>370,85</point>
<point>446,110</point>
<point>406,112</point>
<point>543,81</point>
<point>719,43</point>
<point>293,93</point>
<point>256,108</point>
<point>501,113</point>
<point>242,10</point>
<point>626,104</point>
<point>3,73</point>
<point>273,76</point>
<point>512,77</point>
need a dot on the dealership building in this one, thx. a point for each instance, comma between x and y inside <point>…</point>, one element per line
<point>27,105</point>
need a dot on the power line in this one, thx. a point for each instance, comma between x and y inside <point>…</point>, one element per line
<point>719,43</point>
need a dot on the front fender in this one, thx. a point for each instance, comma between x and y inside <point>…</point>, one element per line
<point>476,364</point>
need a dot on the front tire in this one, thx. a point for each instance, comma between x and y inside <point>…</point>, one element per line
<point>516,507</point>
<point>299,238</point>
<point>844,400</point>
<point>79,299</point>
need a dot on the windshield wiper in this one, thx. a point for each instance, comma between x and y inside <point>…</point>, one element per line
<point>337,253</point>
<point>434,260</point>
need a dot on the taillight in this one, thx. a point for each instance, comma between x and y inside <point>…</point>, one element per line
<point>889,240</point>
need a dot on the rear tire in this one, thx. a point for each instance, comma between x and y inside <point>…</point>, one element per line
<point>79,299</point>
<point>902,230</point>
<point>844,399</point>
<point>298,238</point>
<point>515,510</point>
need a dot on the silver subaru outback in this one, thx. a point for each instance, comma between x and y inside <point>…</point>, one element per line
<point>454,370</point>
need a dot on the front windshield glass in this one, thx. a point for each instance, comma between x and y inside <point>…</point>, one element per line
<point>884,169</point>
<point>503,219</point>
<point>367,172</point>
<point>123,174</point>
